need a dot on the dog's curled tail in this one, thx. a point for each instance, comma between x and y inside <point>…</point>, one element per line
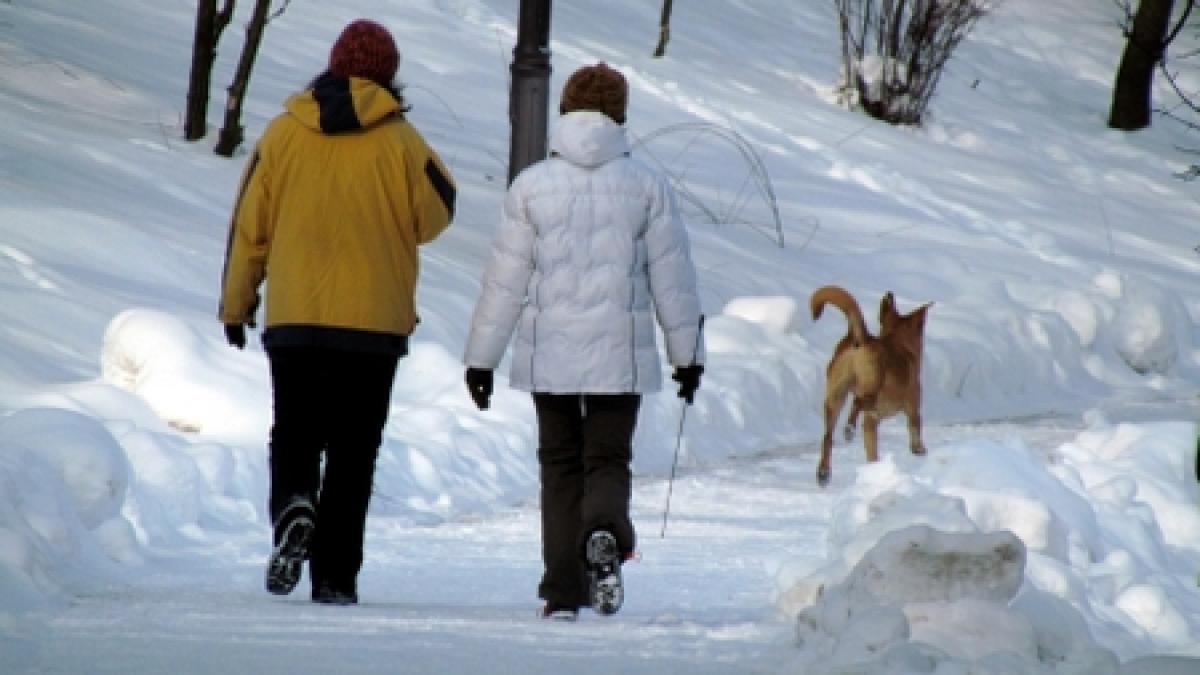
<point>840,298</point>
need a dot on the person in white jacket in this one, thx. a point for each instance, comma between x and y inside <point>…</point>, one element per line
<point>590,252</point>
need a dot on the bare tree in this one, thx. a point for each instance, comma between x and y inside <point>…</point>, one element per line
<point>664,30</point>
<point>893,51</point>
<point>1148,33</point>
<point>232,132</point>
<point>210,22</point>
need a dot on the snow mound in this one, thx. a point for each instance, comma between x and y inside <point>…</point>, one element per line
<point>925,601</point>
<point>777,313</point>
<point>189,379</point>
<point>63,481</point>
<point>990,557</point>
<point>1147,328</point>
<point>920,564</point>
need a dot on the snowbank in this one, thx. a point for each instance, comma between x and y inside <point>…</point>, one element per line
<point>63,482</point>
<point>986,556</point>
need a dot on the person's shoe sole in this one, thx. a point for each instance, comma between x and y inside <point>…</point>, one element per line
<point>335,598</point>
<point>604,567</point>
<point>287,559</point>
<point>567,615</point>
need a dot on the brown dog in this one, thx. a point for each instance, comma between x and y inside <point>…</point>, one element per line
<point>882,372</point>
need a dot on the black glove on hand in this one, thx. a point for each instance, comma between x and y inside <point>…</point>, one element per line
<point>479,384</point>
<point>688,378</point>
<point>235,334</point>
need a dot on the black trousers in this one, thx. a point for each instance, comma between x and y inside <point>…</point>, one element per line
<point>585,446</point>
<point>329,403</point>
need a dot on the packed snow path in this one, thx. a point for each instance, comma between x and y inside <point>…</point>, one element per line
<point>459,597</point>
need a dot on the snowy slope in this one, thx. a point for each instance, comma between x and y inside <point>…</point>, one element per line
<point>1058,255</point>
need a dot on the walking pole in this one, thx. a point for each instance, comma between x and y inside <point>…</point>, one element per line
<point>674,463</point>
<point>679,437</point>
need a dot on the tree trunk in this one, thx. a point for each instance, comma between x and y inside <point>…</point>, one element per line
<point>1132,92</point>
<point>209,24</point>
<point>231,131</point>
<point>664,30</point>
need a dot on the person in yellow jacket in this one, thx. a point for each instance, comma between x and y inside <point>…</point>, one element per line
<point>335,200</point>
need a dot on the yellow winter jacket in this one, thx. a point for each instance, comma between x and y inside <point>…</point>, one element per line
<point>339,193</point>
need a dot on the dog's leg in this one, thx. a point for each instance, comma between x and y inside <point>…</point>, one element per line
<point>871,434</point>
<point>834,401</point>
<point>915,444</point>
<point>851,420</point>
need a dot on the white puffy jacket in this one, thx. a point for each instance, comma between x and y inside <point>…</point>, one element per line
<point>590,248</point>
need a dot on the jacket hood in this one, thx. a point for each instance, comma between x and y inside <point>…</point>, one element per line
<point>336,104</point>
<point>588,138</point>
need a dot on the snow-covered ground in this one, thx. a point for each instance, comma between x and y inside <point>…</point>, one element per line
<point>1054,526</point>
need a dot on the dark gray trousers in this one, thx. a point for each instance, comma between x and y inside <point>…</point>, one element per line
<point>585,446</point>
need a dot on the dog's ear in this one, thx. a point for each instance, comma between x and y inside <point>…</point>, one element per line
<point>887,312</point>
<point>919,314</point>
<point>887,304</point>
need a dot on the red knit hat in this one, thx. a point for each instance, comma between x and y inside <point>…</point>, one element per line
<point>365,49</point>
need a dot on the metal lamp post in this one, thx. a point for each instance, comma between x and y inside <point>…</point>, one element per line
<point>529,99</point>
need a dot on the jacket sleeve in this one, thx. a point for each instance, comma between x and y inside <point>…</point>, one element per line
<point>434,194</point>
<point>249,243</point>
<point>673,278</point>
<point>504,287</point>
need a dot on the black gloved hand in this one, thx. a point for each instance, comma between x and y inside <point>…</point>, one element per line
<point>688,378</point>
<point>235,334</point>
<point>479,384</point>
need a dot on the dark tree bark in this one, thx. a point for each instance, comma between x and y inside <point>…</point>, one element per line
<point>209,24</point>
<point>664,30</point>
<point>232,131</point>
<point>1144,49</point>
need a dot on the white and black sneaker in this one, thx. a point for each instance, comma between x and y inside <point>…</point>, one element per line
<point>294,530</point>
<point>604,569</point>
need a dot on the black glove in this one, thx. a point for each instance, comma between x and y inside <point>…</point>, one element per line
<point>479,384</point>
<point>688,378</point>
<point>235,334</point>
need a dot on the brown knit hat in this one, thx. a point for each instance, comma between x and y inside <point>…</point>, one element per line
<point>599,88</point>
<point>365,49</point>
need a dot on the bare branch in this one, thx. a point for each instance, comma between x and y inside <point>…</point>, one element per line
<point>911,40</point>
<point>279,12</point>
<point>224,16</point>
<point>1187,10</point>
<point>1184,98</point>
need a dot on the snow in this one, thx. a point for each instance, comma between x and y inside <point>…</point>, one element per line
<point>1053,527</point>
<point>956,542</point>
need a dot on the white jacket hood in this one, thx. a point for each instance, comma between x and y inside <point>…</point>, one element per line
<point>588,139</point>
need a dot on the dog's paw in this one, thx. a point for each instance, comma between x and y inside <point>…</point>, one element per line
<point>823,474</point>
<point>919,451</point>
<point>848,432</point>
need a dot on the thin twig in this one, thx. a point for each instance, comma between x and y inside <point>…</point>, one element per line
<point>281,10</point>
<point>757,169</point>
